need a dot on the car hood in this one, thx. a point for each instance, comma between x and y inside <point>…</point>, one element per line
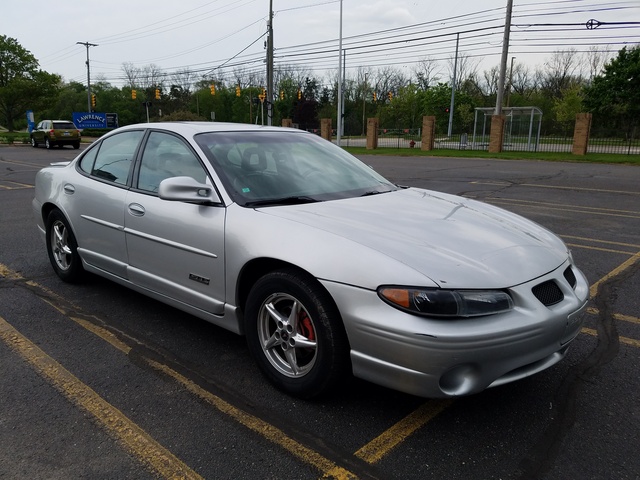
<point>456,242</point>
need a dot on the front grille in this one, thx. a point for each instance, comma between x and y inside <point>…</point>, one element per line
<point>570,277</point>
<point>548,293</point>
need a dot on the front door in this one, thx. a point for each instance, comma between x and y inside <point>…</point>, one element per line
<point>174,248</point>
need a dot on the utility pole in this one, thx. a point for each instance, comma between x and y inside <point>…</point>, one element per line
<point>503,62</point>
<point>364,102</point>
<point>87,44</point>
<point>270,65</point>
<point>453,87</point>
<point>339,110</point>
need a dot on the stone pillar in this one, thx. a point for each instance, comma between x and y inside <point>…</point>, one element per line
<point>287,122</point>
<point>325,128</point>
<point>428,132</point>
<point>581,134</point>
<point>497,133</point>
<point>372,133</point>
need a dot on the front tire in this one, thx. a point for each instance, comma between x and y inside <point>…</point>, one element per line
<point>295,333</point>
<point>34,144</point>
<point>63,248</point>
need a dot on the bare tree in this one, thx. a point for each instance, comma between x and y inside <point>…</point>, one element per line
<point>466,68</point>
<point>427,73</point>
<point>491,80</point>
<point>150,76</point>
<point>561,72</point>
<point>522,79</point>
<point>388,79</point>
<point>596,58</point>
<point>132,73</point>
<point>184,79</point>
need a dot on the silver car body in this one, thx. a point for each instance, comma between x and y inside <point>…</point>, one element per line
<point>197,258</point>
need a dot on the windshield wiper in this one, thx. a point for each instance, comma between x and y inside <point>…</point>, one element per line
<point>375,192</point>
<point>293,200</point>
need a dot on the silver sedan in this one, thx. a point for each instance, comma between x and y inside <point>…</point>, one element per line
<point>328,268</point>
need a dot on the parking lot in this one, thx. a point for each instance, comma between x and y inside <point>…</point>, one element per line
<point>100,382</point>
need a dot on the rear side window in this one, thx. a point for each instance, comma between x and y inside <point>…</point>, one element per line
<point>63,126</point>
<point>115,156</point>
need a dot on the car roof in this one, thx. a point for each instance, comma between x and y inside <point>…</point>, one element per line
<point>192,128</point>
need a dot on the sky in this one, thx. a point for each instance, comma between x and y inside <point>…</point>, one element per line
<point>211,38</point>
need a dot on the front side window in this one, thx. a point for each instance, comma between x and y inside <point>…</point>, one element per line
<point>167,156</point>
<point>115,156</point>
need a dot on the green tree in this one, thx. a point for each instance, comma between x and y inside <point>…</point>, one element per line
<point>569,105</point>
<point>22,85</point>
<point>615,95</point>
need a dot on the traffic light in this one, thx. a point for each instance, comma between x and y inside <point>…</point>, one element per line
<point>390,95</point>
<point>375,97</point>
<point>133,94</point>
<point>264,92</point>
<point>157,94</point>
<point>299,94</point>
<point>212,88</point>
<point>281,94</point>
<point>237,90</point>
<point>93,100</point>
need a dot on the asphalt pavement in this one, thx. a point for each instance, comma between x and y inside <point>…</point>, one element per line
<point>100,382</point>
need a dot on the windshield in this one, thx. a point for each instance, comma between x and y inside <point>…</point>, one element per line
<point>271,168</point>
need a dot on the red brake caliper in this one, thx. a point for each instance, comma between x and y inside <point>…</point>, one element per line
<point>305,326</point>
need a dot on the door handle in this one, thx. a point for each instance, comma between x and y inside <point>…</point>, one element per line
<point>136,210</point>
<point>69,189</point>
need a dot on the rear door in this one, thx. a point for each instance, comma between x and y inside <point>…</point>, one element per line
<point>103,189</point>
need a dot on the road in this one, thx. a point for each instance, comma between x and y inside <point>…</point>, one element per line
<point>100,382</point>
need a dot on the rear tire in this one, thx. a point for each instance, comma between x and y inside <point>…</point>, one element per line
<point>47,143</point>
<point>63,248</point>
<point>295,333</point>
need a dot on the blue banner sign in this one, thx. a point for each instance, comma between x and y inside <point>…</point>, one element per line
<point>89,120</point>
<point>31,124</point>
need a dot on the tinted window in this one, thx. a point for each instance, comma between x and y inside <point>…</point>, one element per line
<point>86,162</point>
<point>167,156</point>
<point>64,126</point>
<point>115,156</point>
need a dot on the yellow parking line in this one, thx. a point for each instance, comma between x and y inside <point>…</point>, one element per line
<point>328,468</point>
<point>626,340</point>
<point>556,187</point>
<point>266,430</point>
<point>563,208</point>
<point>599,249</point>
<point>614,273</point>
<point>135,440</point>
<point>607,242</point>
<point>379,447</point>
<point>616,316</point>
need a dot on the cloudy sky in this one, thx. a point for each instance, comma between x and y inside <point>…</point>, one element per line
<point>213,37</point>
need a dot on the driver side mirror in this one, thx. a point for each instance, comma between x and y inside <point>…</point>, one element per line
<point>187,189</point>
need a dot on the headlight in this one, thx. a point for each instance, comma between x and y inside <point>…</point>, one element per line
<point>434,302</point>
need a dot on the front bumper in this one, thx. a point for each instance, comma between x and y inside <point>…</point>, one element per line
<point>443,358</point>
